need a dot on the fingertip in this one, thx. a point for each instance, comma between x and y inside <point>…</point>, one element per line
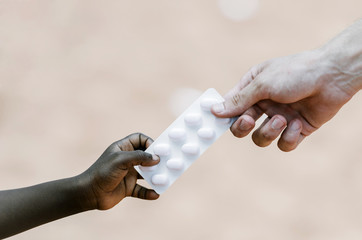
<point>239,102</point>
<point>286,147</point>
<point>155,157</point>
<point>242,126</point>
<point>218,109</point>
<point>152,160</point>
<point>144,193</point>
<point>226,110</point>
<point>133,158</point>
<point>296,125</point>
<point>152,195</point>
<point>278,122</point>
<point>247,123</point>
<point>291,136</point>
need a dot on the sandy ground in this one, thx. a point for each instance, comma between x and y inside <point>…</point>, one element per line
<point>77,75</point>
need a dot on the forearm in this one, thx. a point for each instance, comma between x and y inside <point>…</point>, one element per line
<point>25,208</point>
<point>344,56</point>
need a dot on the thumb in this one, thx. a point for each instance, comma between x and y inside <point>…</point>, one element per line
<point>128,159</point>
<point>238,102</point>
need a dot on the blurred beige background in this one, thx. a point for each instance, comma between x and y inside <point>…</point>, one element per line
<point>77,75</point>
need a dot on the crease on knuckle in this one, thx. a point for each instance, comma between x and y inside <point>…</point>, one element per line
<point>236,99</point>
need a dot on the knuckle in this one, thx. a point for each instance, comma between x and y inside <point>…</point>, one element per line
<point>236,99</point>
<point>114,144</point>
<point>116,155</point>
<point>139,154</point>
<point>142,193</point>
<point>137,134</point>
<point>111,156</point>
<point>261,88</point>
<point>135,191</point>
<point>133,135</point>
<point>120,157</point>
<point>258,85</point>
<point>117,144</point>
<point>254,71</point>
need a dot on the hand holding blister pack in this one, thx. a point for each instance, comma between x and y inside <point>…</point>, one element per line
<point>184,141</point>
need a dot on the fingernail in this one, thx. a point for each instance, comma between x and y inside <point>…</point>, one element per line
<point>155,157</point>
<point>295,126</point>
<point>277,124</point>
<point>244,126</point>
<point>218,108</point>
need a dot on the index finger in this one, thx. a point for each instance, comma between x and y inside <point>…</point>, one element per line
<point>244,81</point>
<point>135,141</point>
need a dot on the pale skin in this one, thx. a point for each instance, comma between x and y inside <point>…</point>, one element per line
<point>298,93</point>
<point>109,180</point>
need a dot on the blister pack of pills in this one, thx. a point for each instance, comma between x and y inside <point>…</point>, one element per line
<point>184,141</point>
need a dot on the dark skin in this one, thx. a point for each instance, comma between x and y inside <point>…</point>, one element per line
<point>110,179</point>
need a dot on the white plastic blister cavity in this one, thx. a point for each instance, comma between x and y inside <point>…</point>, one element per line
<point>184,141</point>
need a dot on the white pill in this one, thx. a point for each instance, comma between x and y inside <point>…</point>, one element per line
<point>190,148</point>
<point>148,169</point>
<point>206,103</point>
<point>222,121</point>
<point>193,119</point>
<point>159,179</point>
<point>175,164</point>
<point>206,133</point>
<point>162,149</point>
<point>177,134</point>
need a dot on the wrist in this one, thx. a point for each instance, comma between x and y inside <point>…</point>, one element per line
<point>83,191</point>
<point>341,69</point>
<point>344,57</point>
